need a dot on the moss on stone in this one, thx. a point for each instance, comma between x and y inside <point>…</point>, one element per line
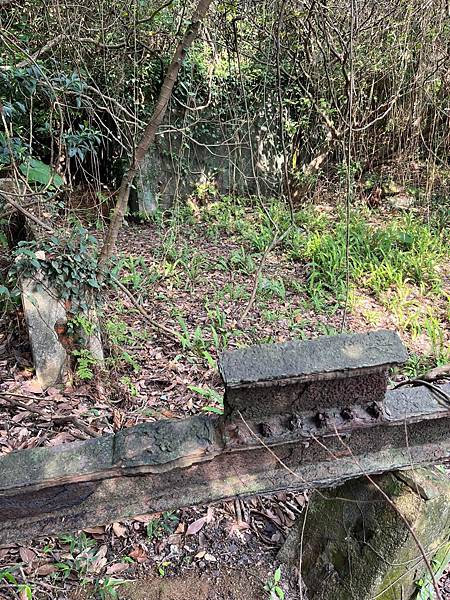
<point>356,545</point>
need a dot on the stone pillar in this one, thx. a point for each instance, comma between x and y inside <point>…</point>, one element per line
<point>45,315</point>
<point>43,312</point>
<point>356,546</point>
<point>144,196</point>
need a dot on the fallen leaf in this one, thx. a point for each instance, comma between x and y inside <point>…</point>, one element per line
<point>146,518</point>
<point>99,561</point>
<point>32,386</point>
<point>237,526</point>
<point>4,552</point>
<point>27,555</point>
<point>210,558</point>
<point>181,528</point>
<point>196,526</point>
<point>139,554</point>
<point>210,514</point>
<point>117,568</point>
<point>20,416</point>
<point>61,438</point>
<point>26,373</point>
<point>200,554</point>
<point>95,530</point>
<point>46,569</point>
<point>119,530</point>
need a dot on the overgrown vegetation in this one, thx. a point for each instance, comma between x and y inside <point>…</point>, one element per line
<point>299,186</point>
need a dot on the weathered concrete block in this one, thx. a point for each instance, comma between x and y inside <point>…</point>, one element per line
<point>299,376</point>
<point>46,316</point>
<point>356,545</point>
<point>42,313</point>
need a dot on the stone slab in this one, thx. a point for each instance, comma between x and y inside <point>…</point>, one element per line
<point>327,357</point>
<point>317,375</point>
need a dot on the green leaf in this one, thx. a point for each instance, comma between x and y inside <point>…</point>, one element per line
<point>279,592</point>
<point>27,252</point>
<point>277,575</point>
<point>38,172</point>
<point>24,587</point>
<point>213,409</point>
<point>201,391</point>
<point>8,576</point>
<point>94,283</point>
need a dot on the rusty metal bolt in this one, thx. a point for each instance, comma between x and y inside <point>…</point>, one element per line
<point>347,414</point>
<point>264,429</point>
<point>374,410</point>
<point>295,422</point>
<point>320,419</point>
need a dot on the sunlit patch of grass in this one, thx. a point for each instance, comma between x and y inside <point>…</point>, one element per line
<point>400,264</point>
<point>404,250</point>
<point>364,306</point>
<point>380,257</point>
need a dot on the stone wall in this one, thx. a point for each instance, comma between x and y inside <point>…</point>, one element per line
<point>215,159</point>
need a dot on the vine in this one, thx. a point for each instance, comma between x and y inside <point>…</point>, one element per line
<point>69,264</point>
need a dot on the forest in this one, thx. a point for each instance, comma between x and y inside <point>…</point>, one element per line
<point>206,206</point>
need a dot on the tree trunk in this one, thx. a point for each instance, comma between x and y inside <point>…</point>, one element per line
<point>150,131</point>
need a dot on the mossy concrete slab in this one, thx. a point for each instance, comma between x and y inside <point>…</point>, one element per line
<point>309,375</point>
<point>327,357</point>
<point>355,544</point>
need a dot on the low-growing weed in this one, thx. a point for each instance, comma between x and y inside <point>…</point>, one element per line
<point>85,364</point>
<point>106,589</point>
<point>242,261</point>
<point>212,396</point>
<point>126,381</point>
<point>272,586</point>
<point>272,288</point>
<point>162,526</point>
<point>120,335</point>
<point>379,257</point>
<point>24,590</point>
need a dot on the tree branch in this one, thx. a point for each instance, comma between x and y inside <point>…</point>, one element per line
<point>150,131</point>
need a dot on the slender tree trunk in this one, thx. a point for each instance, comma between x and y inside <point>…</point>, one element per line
<point>150,131</point>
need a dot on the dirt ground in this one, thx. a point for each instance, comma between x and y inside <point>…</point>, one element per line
<point>220,584</point>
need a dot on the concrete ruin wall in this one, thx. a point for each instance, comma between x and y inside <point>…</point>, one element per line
<point>218,158</point>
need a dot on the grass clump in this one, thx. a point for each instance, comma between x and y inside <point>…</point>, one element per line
<point>405,251</point>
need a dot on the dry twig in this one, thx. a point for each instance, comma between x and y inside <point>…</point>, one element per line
<point>11,398</point>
